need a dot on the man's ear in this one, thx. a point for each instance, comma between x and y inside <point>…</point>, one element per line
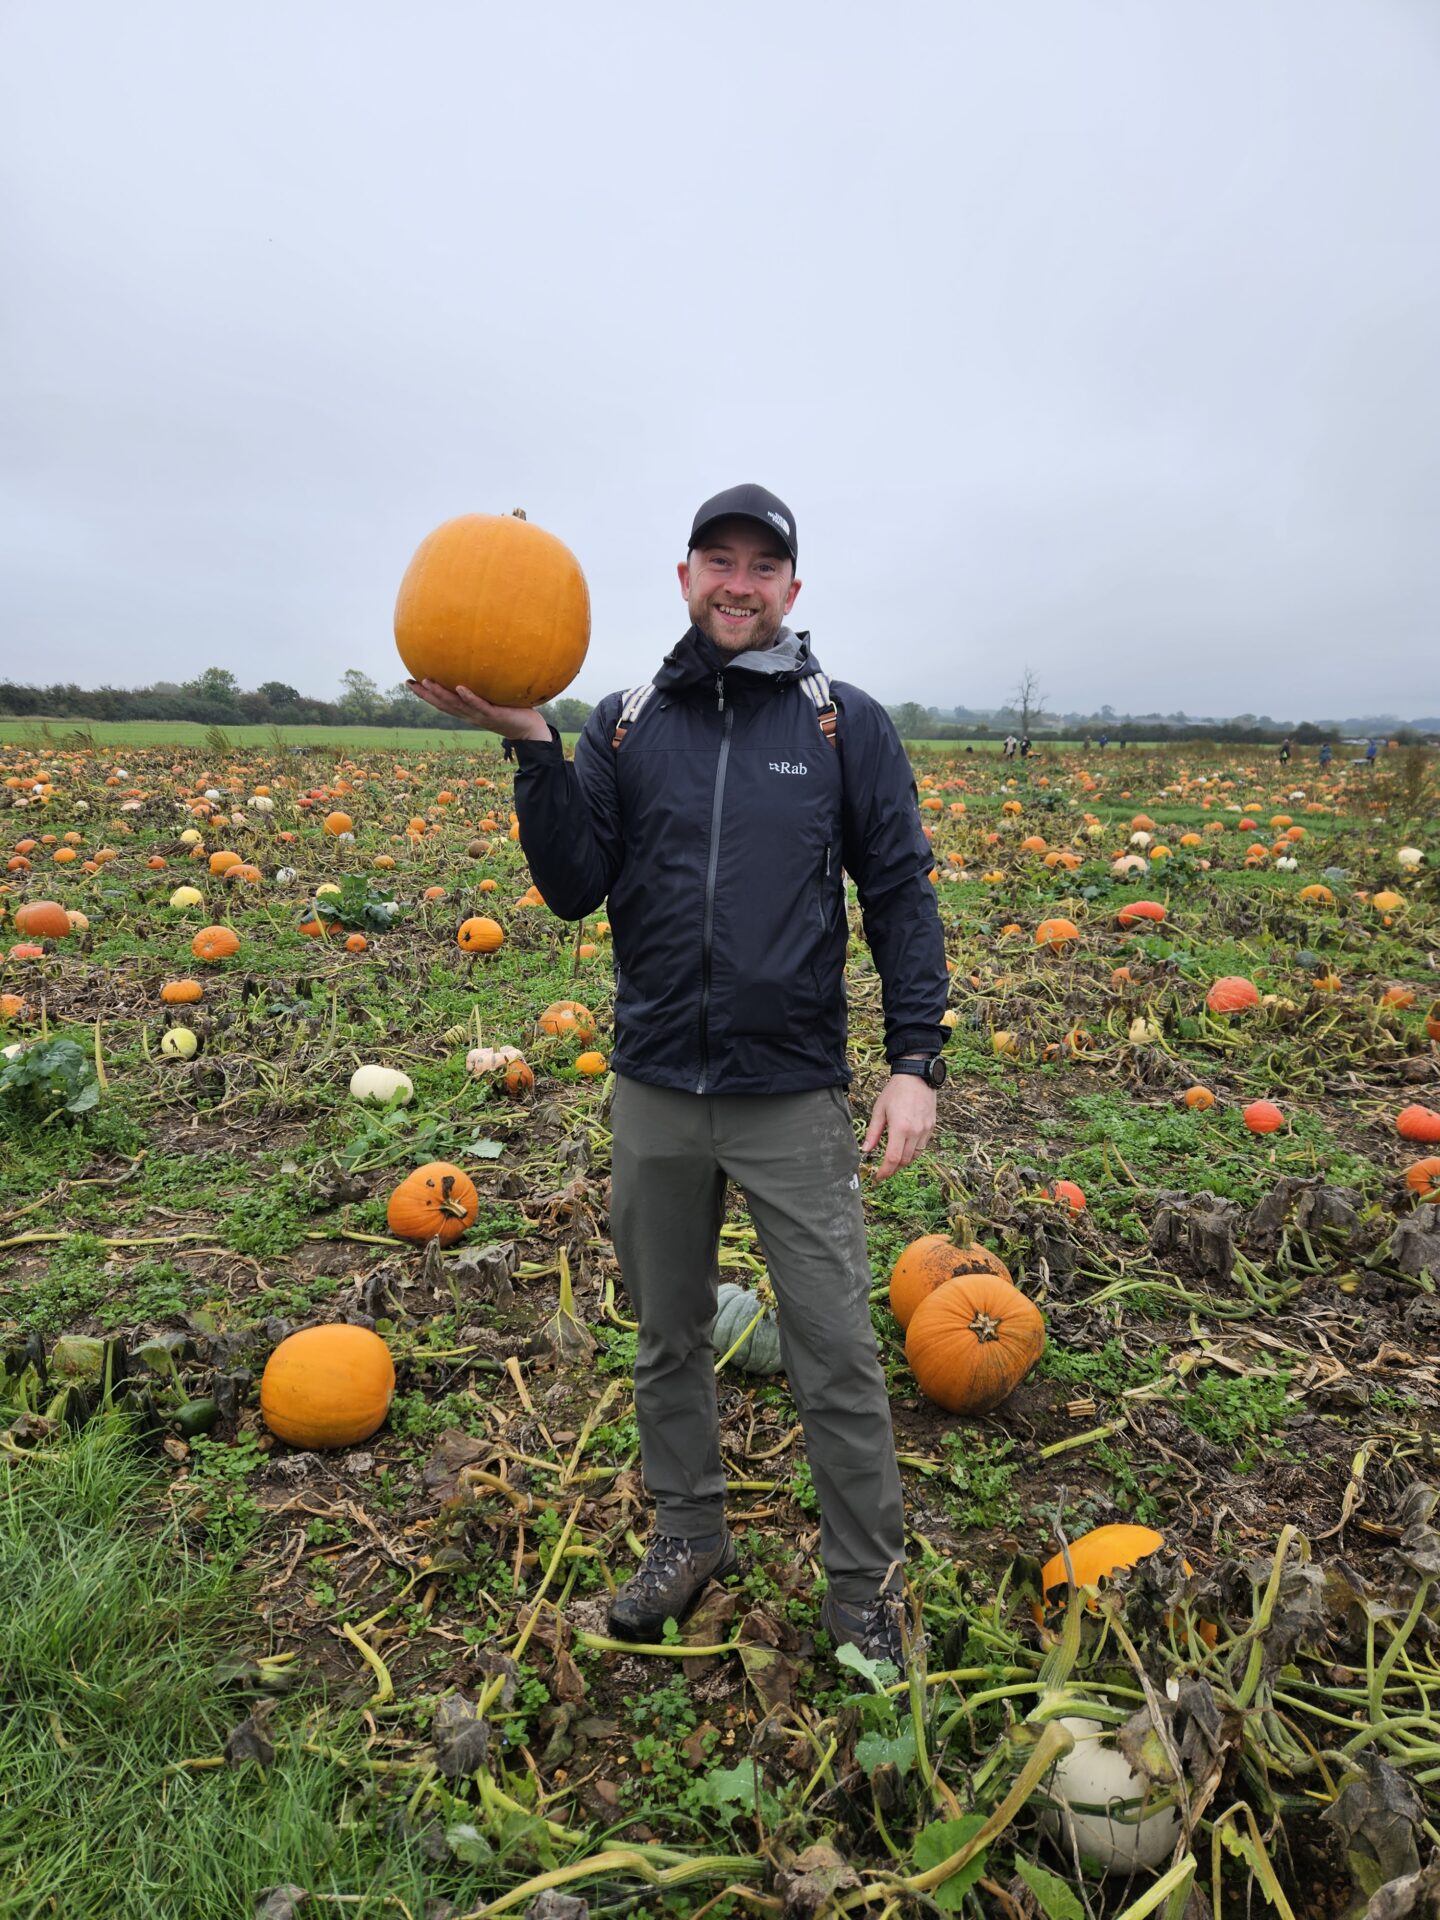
<point>795,586</point>
<point>683,570</point>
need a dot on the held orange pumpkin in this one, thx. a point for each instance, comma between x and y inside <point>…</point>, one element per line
<point>972,1341</point>
<point>494,603</point>
<point>327,1386</point>
<point>436,1202</point>
<point>928,1263</point>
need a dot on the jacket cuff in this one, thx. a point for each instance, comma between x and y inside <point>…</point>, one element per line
<point>538,753</point>
<point>915,1040</point>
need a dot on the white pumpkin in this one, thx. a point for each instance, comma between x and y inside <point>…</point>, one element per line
<point>1128,863</point>
<point>261,803</point>
<point>381,1085</point>
<point>82,806</point>
<point>1098,1801</point>
<point>78,921</point>
<point>326,886</point>
<point>1287,863</point>
<point>482,1060</point>
<point>1141,839</point>
<point>187,897</point>
<point>1410,856</point>
<point>285,875</point>
<point>212,793</point>
<point>178,1043</point>
<point>1143,1032</point>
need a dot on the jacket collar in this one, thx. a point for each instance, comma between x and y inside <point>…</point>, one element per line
<point>695,660</point>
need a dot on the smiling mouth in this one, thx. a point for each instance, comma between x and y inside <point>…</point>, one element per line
<point>737,613</point>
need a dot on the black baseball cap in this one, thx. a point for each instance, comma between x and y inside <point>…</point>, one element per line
<point>749,503</point>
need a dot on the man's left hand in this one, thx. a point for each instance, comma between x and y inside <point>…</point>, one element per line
<point>905,1115</point>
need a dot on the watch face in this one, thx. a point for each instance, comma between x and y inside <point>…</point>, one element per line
<point>935,1073</point>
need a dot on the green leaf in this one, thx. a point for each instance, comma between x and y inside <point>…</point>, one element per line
<point>1057,1901</point>
<point>468,1844</point>
<point>936,1843</point>
<point>876,1749</point>
<point>858,1662</point>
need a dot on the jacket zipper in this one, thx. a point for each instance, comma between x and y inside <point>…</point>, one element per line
<point>824,882</point>
<point>713,862</point>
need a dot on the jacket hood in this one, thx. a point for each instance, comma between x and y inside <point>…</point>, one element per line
<point>695,660</point>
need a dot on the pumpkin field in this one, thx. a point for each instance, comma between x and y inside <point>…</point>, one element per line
<point>318,1459</point>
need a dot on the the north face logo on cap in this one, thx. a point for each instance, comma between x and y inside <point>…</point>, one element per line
<point>780,521</point>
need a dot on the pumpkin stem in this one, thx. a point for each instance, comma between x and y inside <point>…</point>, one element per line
<point>517,513</point>
<point>985,1326</point>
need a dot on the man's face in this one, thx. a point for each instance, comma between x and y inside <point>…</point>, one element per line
<point>739,584</point>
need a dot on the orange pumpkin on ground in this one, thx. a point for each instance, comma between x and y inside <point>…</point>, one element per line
<point>43,920</point>
<point>1263,1116</point>
<point>567,1017</point>
<point>327,1386</point>
<point>1232,993</point>
<point>496,604</point>
<point>338,823</point>
<point>517,1078</point>
<point>590,1063</point>
<point>215,943</point>
<point>1418,1123</point>
<point>480,934</point>
<point>928,1263</point>
<point>436,1202</point>
<point>1067,1192</point>
<point>1095,1556</point>
<point>972,1341</point>
<point>1199,1097</point>
<point>1135,911</point>
<point>1423,1176</point>
<point>181,993</point>
<point>1057,933</point>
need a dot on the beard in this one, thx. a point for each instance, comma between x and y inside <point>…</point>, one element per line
<point>755,637</point>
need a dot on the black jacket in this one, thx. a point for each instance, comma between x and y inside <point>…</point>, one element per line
<point>718,830</point>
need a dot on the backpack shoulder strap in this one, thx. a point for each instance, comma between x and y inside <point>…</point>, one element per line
<point>630,707</point>
<point>817,686</point>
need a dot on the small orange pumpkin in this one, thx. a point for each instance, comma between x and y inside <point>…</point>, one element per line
<point>972,1341</point>
<point>1418,1123</point>
<point>1232,993</point>
<point>43,920</point>
<point>567,1017</point>
<point>1423,1176</point>
<point>327,1386</point>
<point>928,1263</point>
<point>479,934</point>
<point>338,823</point>
<point>436,1202</point>
<point>1199,1097</point>
<point>215,943</point>
<point>517,1078</point>
<point>1067,1192</point>
<point>1137,910</point>
<point>590,1063</point>
<point>1263,1116</point>
<point>1057,934</point>
<point>181,993</point>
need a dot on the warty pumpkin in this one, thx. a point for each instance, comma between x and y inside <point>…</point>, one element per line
<point>327,1386</point>
<point>494,603</point>
<point>928,1263</point>
<point>972,1341</point>
<point>435,1202</point>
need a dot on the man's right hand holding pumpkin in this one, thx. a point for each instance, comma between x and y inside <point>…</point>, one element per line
<point>512,723</point>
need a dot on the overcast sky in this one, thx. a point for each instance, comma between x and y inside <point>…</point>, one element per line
<point>1102,335</point>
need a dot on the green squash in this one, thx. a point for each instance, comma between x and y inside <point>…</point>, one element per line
<point>760,1353</point>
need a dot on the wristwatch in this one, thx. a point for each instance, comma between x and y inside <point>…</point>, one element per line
<point>930,1068</point>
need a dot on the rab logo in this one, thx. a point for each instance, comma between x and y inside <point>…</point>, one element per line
<point>786,766</point>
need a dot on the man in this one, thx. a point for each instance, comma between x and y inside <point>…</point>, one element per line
<point>715,811</point>
<point>1285,751</point>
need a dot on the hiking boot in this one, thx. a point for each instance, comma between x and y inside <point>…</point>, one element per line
<point>668,1582</point>
<point>874,1626</point>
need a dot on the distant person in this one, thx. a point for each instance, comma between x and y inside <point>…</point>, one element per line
<point>1104,741</point>
<point>1285,751</point>
<point>1324,755</point>
<point>1007,752</point>
<point>507,750</point>
<point>1370,753</point>
<point>1025,748</point>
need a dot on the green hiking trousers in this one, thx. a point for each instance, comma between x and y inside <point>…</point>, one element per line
<point>795,1158</point>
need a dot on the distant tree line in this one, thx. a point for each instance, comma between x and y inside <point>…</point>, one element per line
<point>216,698</point>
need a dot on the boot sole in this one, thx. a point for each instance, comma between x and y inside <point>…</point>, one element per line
<point>651,1628</point>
